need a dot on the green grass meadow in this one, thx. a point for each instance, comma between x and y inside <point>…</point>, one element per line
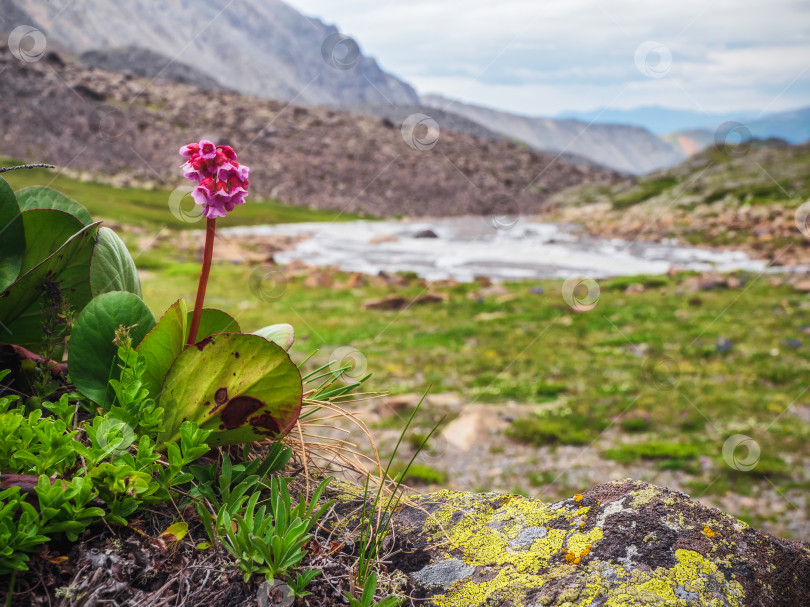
<point>676,374</point>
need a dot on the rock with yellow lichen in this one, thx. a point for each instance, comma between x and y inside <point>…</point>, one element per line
<point>624,543</point>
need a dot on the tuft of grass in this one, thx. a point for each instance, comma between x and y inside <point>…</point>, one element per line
<point>556,429</point>
<point>644,190</point>
<point>657,450</point>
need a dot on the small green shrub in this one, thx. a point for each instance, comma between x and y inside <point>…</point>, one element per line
<point>636,424</point>
<point>421,474</point>
<point>653,450</point>
<point>644,190</point>
<point>556,428</point>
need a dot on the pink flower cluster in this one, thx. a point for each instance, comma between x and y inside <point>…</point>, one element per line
<point>223,182</point>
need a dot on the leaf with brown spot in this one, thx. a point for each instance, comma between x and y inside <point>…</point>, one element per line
<point>175,532</point>
<point>262,387</point>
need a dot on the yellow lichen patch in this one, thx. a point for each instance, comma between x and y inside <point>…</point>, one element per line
<point>579,542</point>
<point>690,572</point>
<point>578,497</point>
<point>507,585</point>
<point>644,496</point>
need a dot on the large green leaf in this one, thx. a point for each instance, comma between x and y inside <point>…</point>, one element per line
<point>42,197</point>
<point>214,321</point>
<point>21,303</point>
<point>163,344</point>
<point>241,386</point>
<point>45,231</point>
<point>12,237</point>
<point>92,358</point>
<point>112,268</point>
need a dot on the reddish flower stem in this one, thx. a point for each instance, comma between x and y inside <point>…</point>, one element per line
<point>208,253</point>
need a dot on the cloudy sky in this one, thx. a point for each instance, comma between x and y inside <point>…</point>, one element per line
<point>542,57</point>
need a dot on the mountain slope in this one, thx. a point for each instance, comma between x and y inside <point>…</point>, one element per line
<point>745,196</point>
<point>114,124</point>
<point>628,149</point>
<point>259,47</point>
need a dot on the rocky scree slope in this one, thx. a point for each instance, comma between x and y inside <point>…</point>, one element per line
<point>747,197</point>
<point>110,123</point>
<point>260,47</point>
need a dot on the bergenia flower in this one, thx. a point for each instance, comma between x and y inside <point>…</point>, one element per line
<point>223,182</point>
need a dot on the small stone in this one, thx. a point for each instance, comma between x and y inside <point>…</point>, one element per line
<point>724,344</point>
<point>392,302</point>
<point>430,298</point>
<point>356,281</point>
<point>802,286</point>
<point>319,278</point>
<point>443,573</point>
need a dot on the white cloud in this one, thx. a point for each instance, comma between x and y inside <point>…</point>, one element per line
<point>543,57</point>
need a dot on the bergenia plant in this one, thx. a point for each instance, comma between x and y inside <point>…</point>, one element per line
<point>197,365</point>
<point>222,185</point>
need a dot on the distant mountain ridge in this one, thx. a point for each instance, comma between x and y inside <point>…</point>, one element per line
<point>793,126</point>
<point>628,149</point>
<point>659,120</point>
<point>259,47</point>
